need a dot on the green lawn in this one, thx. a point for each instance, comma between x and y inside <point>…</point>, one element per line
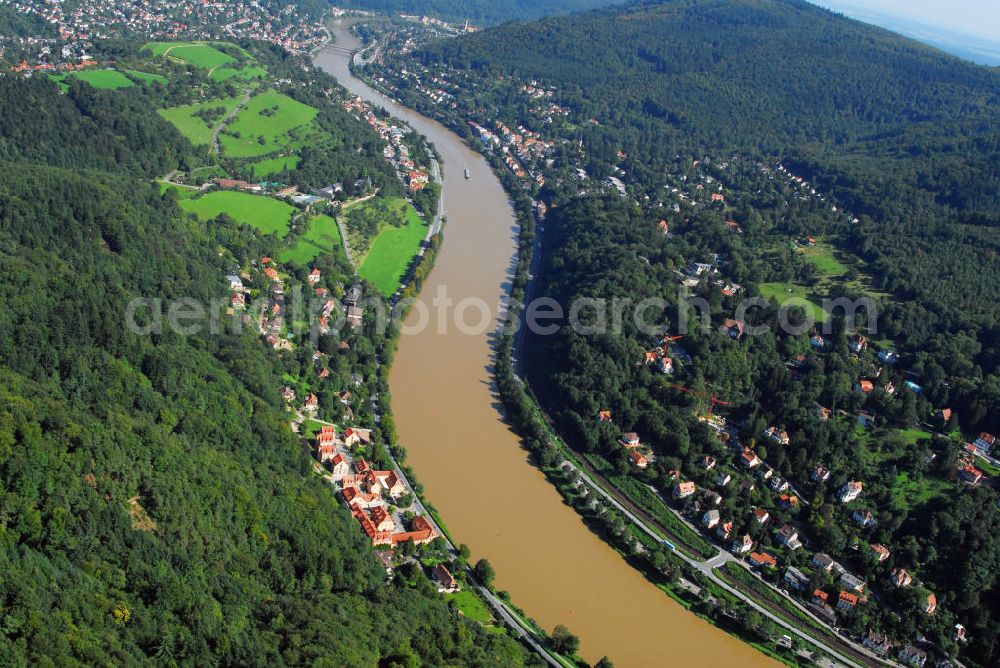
<point>199,55</point>
<point>245,74</point>
<point>911,493</point>
<point>794,294</point>
<point>263,125</point>
<point>266,214</point>
<point>822,256</point>
<point>471,606</point>
<point>194,128</point>
<point>323,236</point>
<point>160,48</point>
<point>393,249</point>
<point>270,166</point>
<point>147,77</point>
<point>182,191</point>
<point>106,79</point>
<point>914,435</point>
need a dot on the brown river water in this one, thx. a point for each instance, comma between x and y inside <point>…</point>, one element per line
<point>472,465</point>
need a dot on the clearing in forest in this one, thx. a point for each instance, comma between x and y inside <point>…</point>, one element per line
<point>269,215</point>
<point>322,236</point>
<point>264,124</point>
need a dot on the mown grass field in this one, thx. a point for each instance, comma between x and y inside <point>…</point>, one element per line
<point>795,295</point>
<point>823,258</point>
<point>147,77</point>
<point>471,606</point>
<point>105,79</point>
<point>182,191</point>
<point>263,125</point>
<point>245,74</point>
<point>268,215</point>
<point>194,128</point>
<point>199,54</point>
<point>270,166</point>
<point>322,236</point>
<point>393,249</point>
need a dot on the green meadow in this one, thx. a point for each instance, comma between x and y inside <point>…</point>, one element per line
<point>268,215</point>
<point>794,294</point>
<point>191,126</point>
<point>271,166</point>
<point>147,77</point>
<point>199,54</point>
<point>183,192</point>
<point>323,236</point>
<point>262,126</point>
<point>823,258</point>
<point>393,249</point>
<point>245,74</point>
<point>105,79</point>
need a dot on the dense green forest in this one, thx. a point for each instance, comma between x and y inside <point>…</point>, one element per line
<point>904,135</point>
<point>156,508</point>
<point>485,12</point>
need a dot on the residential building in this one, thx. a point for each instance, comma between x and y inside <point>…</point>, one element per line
<point>864,518</point>
<point>749,459</point>
<point>630,440</point>
<point>734,328</point>
<point>985,441</point>
<point>820,474</point>
<point>710,519</point>
<point>847,601</point>
<point>877,642</point>
<point>684,489</point>
<point>900,578</point>
<point>930,604</point>
<point>724,530</point>
<point>851,491</point>
<point>761,515</point>
<point>789,537</point>
<point>881,552</point>
<point>779,436</point>
<point>823,561</point>
<point>971,474</point>
<point>912,656</point>
<point>742,545</point>
<point>796,579</point>
<point>852,582</point>
<point>445,581</point>
<point>638,459</point>
<point>763,560</point>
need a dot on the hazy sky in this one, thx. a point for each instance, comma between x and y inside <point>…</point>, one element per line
<point>974,17</point>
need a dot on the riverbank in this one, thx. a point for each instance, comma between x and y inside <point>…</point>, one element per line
<point>446,404</point>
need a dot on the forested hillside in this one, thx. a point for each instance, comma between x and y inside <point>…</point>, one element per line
<point>155,508</point>
<point>766,148</point>
<point>484,12</point>
<point>903,133</point>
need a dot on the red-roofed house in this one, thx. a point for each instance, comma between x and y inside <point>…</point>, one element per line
<point>763,560</point>
<point>638,459</point>
<point>900,578</point>
<point>847,601</point>
<point>445,581</point>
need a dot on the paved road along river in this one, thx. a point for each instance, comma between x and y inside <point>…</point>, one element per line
<point>473,467</point>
